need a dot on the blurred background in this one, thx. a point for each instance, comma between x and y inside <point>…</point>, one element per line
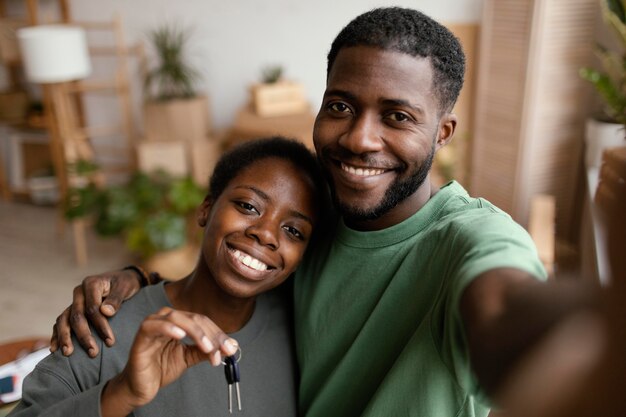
<point>110,125</point>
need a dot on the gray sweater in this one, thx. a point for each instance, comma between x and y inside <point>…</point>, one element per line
<point>61,386</point>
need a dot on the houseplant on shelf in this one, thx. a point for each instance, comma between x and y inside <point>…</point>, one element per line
<point>173,109</point>
<point>154,213</point>
<point>607,130</point>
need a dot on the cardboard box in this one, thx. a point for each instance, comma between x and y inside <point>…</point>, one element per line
<point>278,99</point>
<point>175,120</point>
<point>203,156</point>
<point>615,159</point>
<point>169,156</point>
<point>248,125</point>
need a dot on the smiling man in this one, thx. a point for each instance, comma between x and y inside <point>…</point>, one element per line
<point>419,302</point>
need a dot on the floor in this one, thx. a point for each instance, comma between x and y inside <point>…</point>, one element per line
<point>38,270</point>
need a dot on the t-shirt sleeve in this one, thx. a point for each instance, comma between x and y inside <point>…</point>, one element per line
<point>51,390</point>
<point>483,243</point>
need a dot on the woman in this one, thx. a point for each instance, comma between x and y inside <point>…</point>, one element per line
<point>265,200</point>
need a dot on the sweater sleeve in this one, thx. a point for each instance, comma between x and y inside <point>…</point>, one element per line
<point>57,388</point>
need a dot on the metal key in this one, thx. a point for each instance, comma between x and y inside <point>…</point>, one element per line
<point>231,370</point>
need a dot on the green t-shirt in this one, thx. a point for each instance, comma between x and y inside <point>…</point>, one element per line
<point>378,332</point>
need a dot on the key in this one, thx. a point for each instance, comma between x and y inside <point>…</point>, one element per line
<point>231,370</point>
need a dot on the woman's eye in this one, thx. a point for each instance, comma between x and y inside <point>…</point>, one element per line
<point>339,107</point>
<point>247,206</point>
<point>294,232</point>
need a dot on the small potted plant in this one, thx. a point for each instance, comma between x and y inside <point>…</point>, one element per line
<point>607,129</point>
<point>276,96</point>
<point>154,213</point>
<point>173,109</point>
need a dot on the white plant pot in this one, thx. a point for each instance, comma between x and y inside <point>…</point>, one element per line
<point>599,136</point>
<point>43,190</point>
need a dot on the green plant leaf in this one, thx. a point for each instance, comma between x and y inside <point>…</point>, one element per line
<point>185,195</point>
<point>166,230</point>
<point>173,77</point>
<point>611,93</point>
<point>81,202</point>
<point>82,167</point>
<point>271,74</point>
<point>137,241</point>
<point>118,212</point>
<point>611,84</point>
<point>149,191</point>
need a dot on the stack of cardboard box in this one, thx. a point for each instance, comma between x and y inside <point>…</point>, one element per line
<point>278,108</point>
<point>178,139</point>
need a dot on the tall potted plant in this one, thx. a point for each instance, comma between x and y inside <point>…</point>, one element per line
<point>173,109</point>
<point>607,130</point>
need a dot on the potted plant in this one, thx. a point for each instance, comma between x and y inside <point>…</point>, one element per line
<point>607,130</point>
<point>154,213</point>
<point>173,110</point>
<point>276,96</point>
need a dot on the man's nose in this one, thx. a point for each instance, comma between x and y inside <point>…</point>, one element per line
<point>364,135</point>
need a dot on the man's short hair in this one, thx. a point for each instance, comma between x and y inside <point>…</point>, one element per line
<point>411,32</point>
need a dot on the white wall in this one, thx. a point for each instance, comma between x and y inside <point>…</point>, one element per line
<point>234,39</point>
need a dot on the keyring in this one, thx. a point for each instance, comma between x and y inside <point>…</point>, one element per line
<point>236,359</point>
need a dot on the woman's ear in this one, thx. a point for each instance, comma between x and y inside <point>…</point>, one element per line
<point>204,210</point>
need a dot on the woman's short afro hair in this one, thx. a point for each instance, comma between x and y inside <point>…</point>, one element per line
<point>247,153</point>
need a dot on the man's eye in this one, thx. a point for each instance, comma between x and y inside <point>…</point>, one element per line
<point>294,232</point>
<point>339,107</point>
<point>399,117</point>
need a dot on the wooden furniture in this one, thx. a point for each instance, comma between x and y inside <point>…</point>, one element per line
<point>248,125</point>
<point>10,54</point>
<point>529,125</point>
<point>10,351</point>
<point>109,144</point>
<point>541,223</point>
<point>13,350</point>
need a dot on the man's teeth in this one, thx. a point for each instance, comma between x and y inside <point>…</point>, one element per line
<point>249,261</point>
<point>360,171</point>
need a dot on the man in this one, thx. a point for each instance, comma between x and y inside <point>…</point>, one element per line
<point>419,304</point>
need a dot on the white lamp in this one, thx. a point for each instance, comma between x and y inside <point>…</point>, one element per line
<point>54,53</point>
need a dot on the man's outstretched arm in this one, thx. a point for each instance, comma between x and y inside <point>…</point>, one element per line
<point>505,312</point>
<point>96,299</point>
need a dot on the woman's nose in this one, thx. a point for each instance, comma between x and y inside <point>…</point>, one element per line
<point>265,233</point>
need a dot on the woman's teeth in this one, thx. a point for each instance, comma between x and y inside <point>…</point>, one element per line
<point>360,171</point>
<point>249,261</point>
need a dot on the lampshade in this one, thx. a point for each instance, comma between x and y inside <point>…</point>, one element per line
<point>54,53</point>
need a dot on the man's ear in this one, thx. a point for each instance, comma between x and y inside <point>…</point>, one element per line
<point>447,126</point>
<point>204,210</point>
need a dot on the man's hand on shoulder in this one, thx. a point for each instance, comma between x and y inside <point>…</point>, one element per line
<point>96,299</point>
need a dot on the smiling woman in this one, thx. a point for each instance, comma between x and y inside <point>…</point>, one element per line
<point>263,206</point>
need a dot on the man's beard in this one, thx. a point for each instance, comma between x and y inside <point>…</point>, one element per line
<point>397,192</point>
